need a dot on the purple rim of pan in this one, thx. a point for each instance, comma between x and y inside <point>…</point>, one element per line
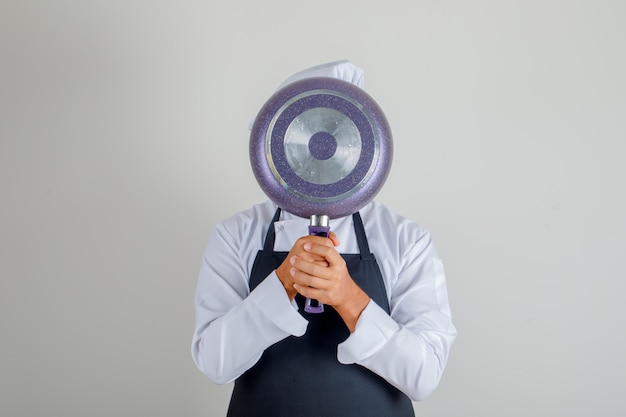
<point>347,193</point>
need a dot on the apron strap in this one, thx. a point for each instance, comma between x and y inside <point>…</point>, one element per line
<point>361,238</point>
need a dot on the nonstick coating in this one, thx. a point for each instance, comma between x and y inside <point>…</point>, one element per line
<point>305,166</point>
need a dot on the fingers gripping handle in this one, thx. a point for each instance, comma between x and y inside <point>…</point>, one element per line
<point>318,226</point>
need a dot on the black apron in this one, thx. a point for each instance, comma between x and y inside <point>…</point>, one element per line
<point>301,376</point>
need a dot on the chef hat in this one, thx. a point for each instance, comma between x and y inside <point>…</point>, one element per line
<point>342,70</point>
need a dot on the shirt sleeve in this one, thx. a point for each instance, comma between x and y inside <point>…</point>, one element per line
<point>233,325</point>
<point>410,346</point>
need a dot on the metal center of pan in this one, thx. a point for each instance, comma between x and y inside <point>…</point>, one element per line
<point>322,145</point>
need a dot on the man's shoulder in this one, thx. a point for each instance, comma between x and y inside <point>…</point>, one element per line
<point>389,219</point>
<point>258,214</point>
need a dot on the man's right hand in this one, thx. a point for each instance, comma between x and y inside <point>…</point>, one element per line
<point>283,271</point>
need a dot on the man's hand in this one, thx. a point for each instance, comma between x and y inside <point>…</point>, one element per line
<point>283,271</point>
<point>319,272</point>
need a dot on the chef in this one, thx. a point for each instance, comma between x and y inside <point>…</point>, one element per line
<point>386,331</point>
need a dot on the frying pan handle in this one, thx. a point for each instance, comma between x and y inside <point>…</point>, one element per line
<point>319,226</point>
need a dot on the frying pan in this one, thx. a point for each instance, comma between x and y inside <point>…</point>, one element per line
<point>321,148</point>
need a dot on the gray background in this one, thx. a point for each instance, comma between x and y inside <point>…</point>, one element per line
<point>124,140</point>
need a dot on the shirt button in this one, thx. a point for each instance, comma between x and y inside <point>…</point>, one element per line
<point>281,227</point>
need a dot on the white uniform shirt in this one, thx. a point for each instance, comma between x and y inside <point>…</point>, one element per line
<point>409,347</point>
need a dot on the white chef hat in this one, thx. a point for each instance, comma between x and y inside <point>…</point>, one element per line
<point>342,70</point>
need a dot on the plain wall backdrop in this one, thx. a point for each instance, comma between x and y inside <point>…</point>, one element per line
<point>123,128</point>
